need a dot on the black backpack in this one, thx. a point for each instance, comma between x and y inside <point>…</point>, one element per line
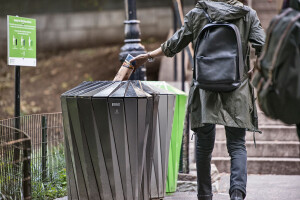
<point>218,59</point>
<point>277,75</point>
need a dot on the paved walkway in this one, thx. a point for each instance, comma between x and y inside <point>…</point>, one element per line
<point>260,187</point>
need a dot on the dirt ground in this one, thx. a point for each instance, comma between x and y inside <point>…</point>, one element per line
<point>57,72</point>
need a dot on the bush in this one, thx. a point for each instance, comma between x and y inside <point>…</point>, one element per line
<point>55,185</point>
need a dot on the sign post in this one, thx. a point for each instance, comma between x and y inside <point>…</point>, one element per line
<point>17,101</point>
<point>21,51</point>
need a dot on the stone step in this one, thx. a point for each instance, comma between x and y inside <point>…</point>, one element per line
<point>279,166</point>
<point>269,133</point>
<point>287,149</point>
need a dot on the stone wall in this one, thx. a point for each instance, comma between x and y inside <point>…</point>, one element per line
<point>82,29</point>
<point>25,7</point>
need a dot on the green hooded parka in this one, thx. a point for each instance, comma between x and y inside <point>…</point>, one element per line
<point>233,109</point>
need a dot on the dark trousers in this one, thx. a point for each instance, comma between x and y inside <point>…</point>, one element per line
<point>237,150</point>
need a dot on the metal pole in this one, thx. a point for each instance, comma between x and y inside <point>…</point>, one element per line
<point>183,144</point>
<point>298,131</point>
<point>27,171</point>
<point>44,148</point>
<point>186,134</point>
<point>182,70</point>
<point>175,29</point>
<point>17,91</point>
<point>180,160</point>
<point>132,40</point>
<point>17,111</point>
<point>188,144</point>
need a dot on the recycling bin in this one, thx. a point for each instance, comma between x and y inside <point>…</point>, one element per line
<point>156,170</point>
<point>109,133</point>
<point>177,132</point>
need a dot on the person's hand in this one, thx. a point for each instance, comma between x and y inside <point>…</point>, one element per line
<point>139,60</point>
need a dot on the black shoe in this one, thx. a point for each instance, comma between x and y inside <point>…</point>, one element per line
<point>236,195</point>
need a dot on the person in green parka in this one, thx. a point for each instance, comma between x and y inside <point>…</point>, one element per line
<point>235,110</point>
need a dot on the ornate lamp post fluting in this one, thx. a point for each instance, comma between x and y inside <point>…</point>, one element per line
<point>132,40</point>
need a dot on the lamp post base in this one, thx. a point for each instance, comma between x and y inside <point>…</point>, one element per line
<point>134,47</point>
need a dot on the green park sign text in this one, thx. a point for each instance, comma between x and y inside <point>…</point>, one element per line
<point>21,41</point>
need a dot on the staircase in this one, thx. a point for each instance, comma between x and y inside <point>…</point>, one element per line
<point>277,149</point>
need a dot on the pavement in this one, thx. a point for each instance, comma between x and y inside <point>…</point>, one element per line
<point>260,187</point>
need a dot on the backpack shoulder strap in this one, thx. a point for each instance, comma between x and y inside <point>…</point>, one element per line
<point>195,50</point>
<point>207,16</point>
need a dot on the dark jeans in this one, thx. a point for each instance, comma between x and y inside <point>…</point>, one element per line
<point>237,151</point>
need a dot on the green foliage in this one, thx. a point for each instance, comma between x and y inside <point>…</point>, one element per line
<point>55,184</point>
<point>55,188</point>
<point>10,178</point>
<point>5,197</point>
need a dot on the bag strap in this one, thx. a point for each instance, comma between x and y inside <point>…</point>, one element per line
<point>207,16</point>
<point>196,49</point>
<point>278,47</point>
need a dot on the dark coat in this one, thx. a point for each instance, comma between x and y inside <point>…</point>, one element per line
<point>237,108</point>
<point>295,4</point>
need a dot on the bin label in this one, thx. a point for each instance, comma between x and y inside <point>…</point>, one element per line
<point>21,41</point>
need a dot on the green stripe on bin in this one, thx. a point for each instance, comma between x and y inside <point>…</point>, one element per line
<point>177,131</point>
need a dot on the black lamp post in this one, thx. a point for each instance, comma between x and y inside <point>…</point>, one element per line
<point>132,40</point>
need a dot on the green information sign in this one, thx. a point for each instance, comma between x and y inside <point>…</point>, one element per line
<point>21,41</point>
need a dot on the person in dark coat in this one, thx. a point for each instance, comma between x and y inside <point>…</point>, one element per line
<point>295,4</point>
<point>235,110</point>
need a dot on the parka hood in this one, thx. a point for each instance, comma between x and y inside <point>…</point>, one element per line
<point>223,10</point>
<point>295,4</point>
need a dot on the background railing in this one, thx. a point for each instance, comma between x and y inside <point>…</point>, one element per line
<point>41,144</point>
<point>14,162</point>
